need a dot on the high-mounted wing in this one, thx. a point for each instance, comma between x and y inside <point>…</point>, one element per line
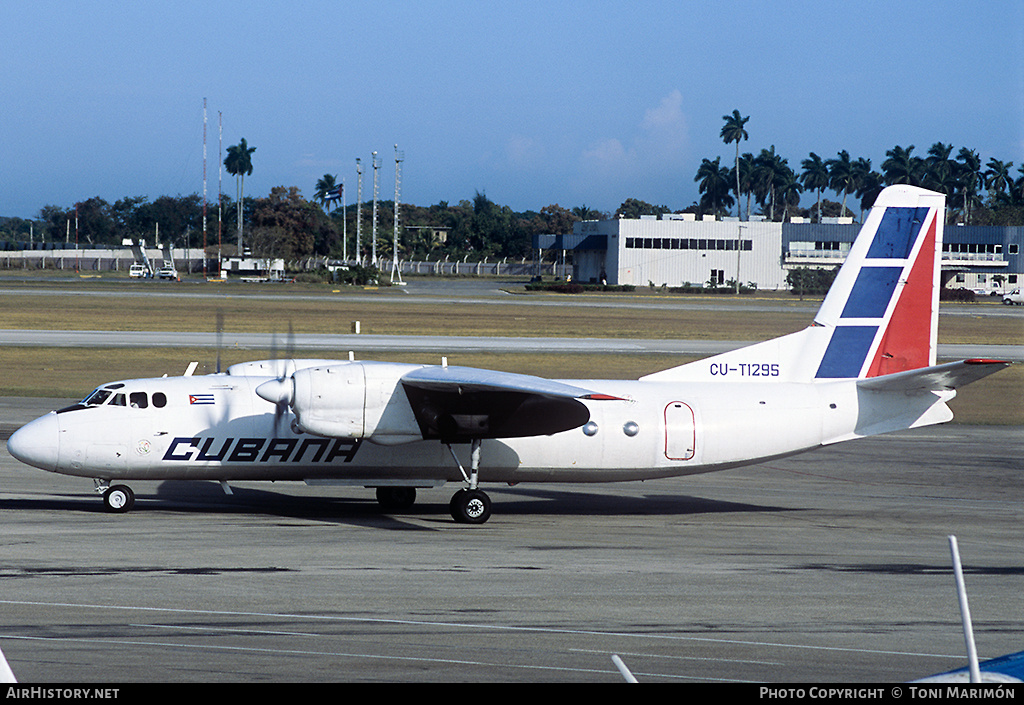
<point>458,404</point>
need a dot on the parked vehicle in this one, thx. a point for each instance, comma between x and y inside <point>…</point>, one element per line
<point>1014,297</point>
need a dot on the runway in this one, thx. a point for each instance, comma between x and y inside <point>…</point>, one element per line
<point>827,567</point>
<point>337,344</point>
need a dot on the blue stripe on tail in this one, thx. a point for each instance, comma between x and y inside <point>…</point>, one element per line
<point>846,351</point>
<point>897,233</point>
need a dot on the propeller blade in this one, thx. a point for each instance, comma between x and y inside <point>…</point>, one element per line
<point>220,335</point>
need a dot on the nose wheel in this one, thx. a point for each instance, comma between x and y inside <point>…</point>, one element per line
<point>470,505</point>
<point>117,499</point>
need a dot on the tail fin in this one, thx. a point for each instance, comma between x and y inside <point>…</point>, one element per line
<point>883,307</point>
<point>879,317</point>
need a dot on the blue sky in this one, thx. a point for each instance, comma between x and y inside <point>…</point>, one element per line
<point>533,103</point>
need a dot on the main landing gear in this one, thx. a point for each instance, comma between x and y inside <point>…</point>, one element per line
<point>117,499</point>
<point>470,505</point>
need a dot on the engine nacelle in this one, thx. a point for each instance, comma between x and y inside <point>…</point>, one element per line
<point>355,400</point>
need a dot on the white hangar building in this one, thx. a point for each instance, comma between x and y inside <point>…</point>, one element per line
<point>678,249</point>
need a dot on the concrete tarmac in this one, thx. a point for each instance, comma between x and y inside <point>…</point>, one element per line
<point>832,566</point>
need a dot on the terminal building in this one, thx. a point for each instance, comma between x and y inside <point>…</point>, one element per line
<point>678,249</point>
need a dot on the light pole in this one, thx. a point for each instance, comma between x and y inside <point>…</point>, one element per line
<point>739,249</point>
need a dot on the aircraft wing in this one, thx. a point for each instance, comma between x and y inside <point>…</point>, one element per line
<point>1002,669</point>
<point>951,375</point>
<point>457,404</point>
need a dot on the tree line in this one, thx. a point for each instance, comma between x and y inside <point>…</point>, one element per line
<point>976,193</point>
<point>286,224</point>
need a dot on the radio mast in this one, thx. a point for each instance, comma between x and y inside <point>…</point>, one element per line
<point>395,271</point>
<point>359,209</point>
<point>204,195</point>
<point>220,200</point>
<point>376,169</point>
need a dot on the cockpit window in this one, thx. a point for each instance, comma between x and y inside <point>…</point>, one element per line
<point>107,395</point>
<point>97,397</point>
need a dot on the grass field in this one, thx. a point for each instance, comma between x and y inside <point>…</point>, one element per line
<point>89,305</point>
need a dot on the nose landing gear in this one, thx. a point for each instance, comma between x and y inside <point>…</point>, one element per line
<point>117,499</point>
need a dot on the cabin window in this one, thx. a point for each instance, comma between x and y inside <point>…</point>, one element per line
<point>159,400</point>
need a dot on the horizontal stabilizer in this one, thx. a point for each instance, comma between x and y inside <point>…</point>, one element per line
<point>951,375</point>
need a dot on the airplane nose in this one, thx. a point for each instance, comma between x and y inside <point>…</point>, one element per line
<point>36,443</point>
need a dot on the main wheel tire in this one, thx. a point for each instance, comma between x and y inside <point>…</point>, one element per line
<point>396,498</point>
<point>471,507</point>
<point>119,499</point>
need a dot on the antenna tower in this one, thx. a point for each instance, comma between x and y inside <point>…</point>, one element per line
<point>204,194</point>
<point>376,181</point>
<point>220,200</point>
<point>359,209</point>
<point>396,273</point>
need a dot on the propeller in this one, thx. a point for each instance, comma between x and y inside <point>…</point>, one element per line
<point>220,335</point>
<point>281,391</point>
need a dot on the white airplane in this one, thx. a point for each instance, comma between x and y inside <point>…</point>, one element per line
<point>867,365</point>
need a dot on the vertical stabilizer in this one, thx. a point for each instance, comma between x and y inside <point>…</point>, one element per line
<point>883,307</point>
<point>880,315</point>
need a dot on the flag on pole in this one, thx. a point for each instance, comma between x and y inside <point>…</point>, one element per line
<point>334,194</point>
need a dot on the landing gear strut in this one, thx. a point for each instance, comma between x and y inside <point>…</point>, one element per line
<point>470,505</point>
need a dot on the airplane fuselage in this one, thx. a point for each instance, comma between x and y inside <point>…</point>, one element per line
<point>216,428</point>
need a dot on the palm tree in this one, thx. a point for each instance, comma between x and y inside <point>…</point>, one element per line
<point>901,167</point>
<point>998,180</point>
<point>585,212</point>
<point>789,189</point>
<point>1018,187</point>
<point>746,178</point>
<point>733,131</point>
<point>714,186</point>
<point>970,180</point>
<point>940,173</point>
<point>239,163</point>
<point>868,184</point>
<point>768,170</point>
<point>814,176</point>
<point>841,177</point>
<point>324,186</point>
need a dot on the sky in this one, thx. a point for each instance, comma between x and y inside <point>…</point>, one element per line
<point>531,103</point>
